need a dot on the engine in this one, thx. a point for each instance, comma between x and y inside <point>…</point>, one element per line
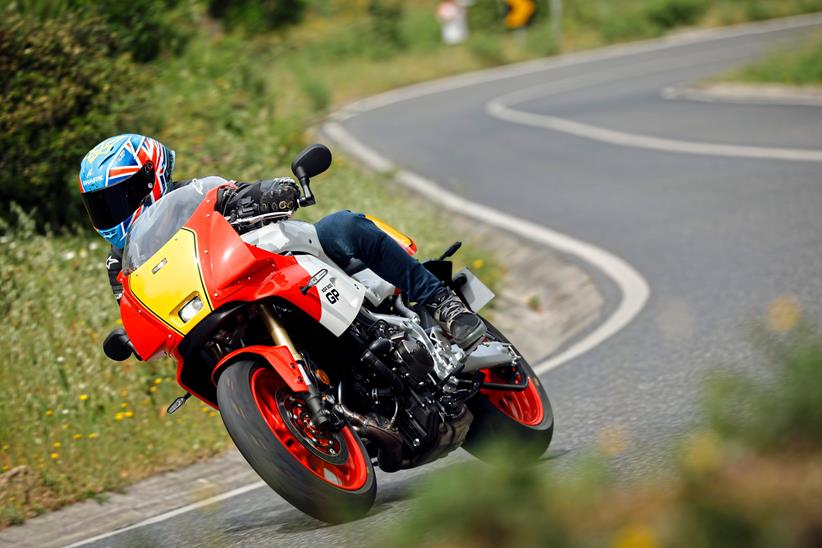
<point>403,393</point>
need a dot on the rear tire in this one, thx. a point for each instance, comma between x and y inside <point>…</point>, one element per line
<point>524,419</point>
<point>330,478</point>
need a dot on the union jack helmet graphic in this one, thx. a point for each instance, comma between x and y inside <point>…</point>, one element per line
<point>119,178</point>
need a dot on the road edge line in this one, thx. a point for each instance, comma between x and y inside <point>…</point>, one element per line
<point>499,109</point>
<point>172,513</point>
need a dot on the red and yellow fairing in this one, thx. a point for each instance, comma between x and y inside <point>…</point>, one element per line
<point>206,258</point>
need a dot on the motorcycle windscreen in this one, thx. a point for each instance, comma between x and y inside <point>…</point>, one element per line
<point>170,284</point>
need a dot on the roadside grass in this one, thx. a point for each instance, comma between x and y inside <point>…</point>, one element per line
<point>799,66</point>
<point>751,476</point>
<point>73,424</point>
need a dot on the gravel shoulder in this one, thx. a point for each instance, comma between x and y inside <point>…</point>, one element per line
<point>739,92</point>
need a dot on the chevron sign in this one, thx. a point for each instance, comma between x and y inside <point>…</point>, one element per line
<point>520,13</point>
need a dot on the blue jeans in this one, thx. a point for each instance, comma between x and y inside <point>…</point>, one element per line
<point>345,236</point>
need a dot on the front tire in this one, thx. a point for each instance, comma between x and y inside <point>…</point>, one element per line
<point>523,419</point>
<point>326,475</point>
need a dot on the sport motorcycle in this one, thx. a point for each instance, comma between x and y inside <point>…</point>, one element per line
<point>320,371</point>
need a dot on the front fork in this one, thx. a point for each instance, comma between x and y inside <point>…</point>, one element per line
<point>321,417</point>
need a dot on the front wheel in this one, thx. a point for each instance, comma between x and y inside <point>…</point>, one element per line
<point>523,418</point>
<point>327,475</point>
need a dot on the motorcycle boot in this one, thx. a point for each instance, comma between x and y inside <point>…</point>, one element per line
<point>464,327</point>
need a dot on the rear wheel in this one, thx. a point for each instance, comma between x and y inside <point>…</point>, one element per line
<point>523,418</point>
<point>327,475</point>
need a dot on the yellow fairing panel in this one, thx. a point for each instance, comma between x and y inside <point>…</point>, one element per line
<point>170,279</point>
<point>401,238</point>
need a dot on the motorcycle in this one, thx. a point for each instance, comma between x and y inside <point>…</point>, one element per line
<point>320,371</point>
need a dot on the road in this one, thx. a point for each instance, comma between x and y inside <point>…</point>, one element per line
<point>695,195</point>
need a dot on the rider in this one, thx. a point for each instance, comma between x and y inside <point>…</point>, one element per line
<point>125,174</point>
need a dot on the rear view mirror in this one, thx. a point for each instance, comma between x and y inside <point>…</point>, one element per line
<point>312,161</point>
<point>117,346</point>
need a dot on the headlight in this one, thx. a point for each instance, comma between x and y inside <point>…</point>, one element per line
<point>190,309</point>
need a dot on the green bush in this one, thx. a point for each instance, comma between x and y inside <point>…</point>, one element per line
<point>143,28</point>
<point>629,26</point>
<point>257,15</point>
<point>64,88</point>
<point>486,16</point>
<point>313,88</point>
<point>778,412</point>
<point>668,14</point>
<point>386,23</point>
<point>487,49</point>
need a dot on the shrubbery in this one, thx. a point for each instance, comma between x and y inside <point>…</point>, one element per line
<point>143,28</point>
<point>386,23</point>
<point>667,14</point>
<point>257,15</point>
<point>64,88</point>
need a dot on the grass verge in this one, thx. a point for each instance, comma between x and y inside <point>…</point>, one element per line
<point>797,66</point>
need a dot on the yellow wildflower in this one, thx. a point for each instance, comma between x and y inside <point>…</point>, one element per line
<point>93,435</point>
<point>5,446</point>
<point>702,452</point>
<point>158,381</point>
<point>77,436</point>
<point>49,412</point>
<point>118,416</point>
<point>55,456</point>
<point>212,413</point>
<point>57,445</point>
<point>83,397</point>
<point>205,409</point>
<point>613,440</point>
<point>478,263</point>
<point>6,468</point>
<point>128,414</point>
<point>123,405</point>
<point>784,314</point>
<point>152,389</point>
<point>636,536</point>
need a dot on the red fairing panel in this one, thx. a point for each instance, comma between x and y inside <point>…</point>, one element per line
<point>236,271</point>
<point>279,357</point>
<point>154,336</point>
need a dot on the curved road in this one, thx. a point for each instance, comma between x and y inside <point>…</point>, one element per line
<point>718,205</point>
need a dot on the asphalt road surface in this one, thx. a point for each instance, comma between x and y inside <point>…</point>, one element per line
<point>692,194</point>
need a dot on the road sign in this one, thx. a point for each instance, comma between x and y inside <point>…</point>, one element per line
<point>520,13</point>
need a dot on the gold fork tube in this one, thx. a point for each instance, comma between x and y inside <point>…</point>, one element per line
<point>278,333</point>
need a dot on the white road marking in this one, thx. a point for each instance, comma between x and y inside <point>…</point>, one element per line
<point>632,285</point>
<point>173,513</point>
<point>632,280</point>
<point>500,110</point>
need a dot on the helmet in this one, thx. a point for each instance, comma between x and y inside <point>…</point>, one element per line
<point>119,178</point>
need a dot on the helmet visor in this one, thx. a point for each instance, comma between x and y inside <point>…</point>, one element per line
<point>110,206</point>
